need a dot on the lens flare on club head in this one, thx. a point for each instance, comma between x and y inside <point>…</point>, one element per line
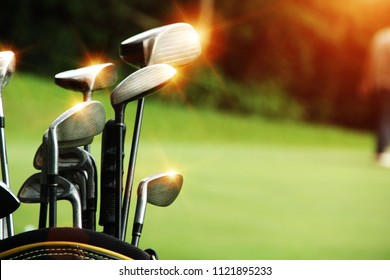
<point>93,58</point>
<point>7,67</point>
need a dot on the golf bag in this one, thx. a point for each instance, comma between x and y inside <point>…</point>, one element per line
<point>69,244</point>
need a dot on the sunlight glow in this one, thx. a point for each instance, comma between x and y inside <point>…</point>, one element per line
<point>73,100</point>
<point>172,173</point>
<point>6,56</point>
<point>92,59</point>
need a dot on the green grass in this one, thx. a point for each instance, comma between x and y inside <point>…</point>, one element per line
<point>253,189</point>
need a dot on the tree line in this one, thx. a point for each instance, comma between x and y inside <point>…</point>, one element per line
<point>308,55</point>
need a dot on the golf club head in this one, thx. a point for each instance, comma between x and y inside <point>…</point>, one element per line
<point>175,44</point>
<point>83,121</point>
<point>88,79</point>
<point>142,83</point>
<point>62,145</point>
<point>8,201</point>
<point>68,158</point>
<point>7,67</point>
<point>160,190</point>
<point>75,127</point>
<point>30,192</point>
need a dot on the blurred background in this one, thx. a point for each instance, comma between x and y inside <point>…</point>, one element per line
<point>270,127</point>
<point>311,54</point>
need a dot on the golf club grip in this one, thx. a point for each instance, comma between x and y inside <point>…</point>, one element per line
<point>108,197</point>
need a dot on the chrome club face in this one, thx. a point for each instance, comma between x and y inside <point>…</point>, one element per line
<point>30,192</point>
<point>142,83</point>
<point>82,121</point>
<point>175,44</point>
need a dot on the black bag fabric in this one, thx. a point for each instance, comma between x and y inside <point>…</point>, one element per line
<point>68,244</point>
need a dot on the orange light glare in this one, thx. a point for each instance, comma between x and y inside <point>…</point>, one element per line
<point>92,59</point>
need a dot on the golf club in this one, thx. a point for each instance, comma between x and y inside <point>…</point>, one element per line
<point>78,166</point>
<point>7,68</point>
<point>175,44</point>
<point>160,190</point>
<point>82,121</point>
<point>136,86</point>
<point>30,192</point>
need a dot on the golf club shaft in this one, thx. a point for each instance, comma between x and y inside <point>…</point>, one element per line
<point>52,173</point>
<point>3,150</point>
<point>87,148</point>
<point>52,188</point>
<point>77,212</point>
<point>44,202</point>
<point>136,236</point>
<point>9,229</point>
<point>44,190</point>
<point>42,215</point>
<point>87,96</point>
<point>131,168</point>
<point>92,201</point>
